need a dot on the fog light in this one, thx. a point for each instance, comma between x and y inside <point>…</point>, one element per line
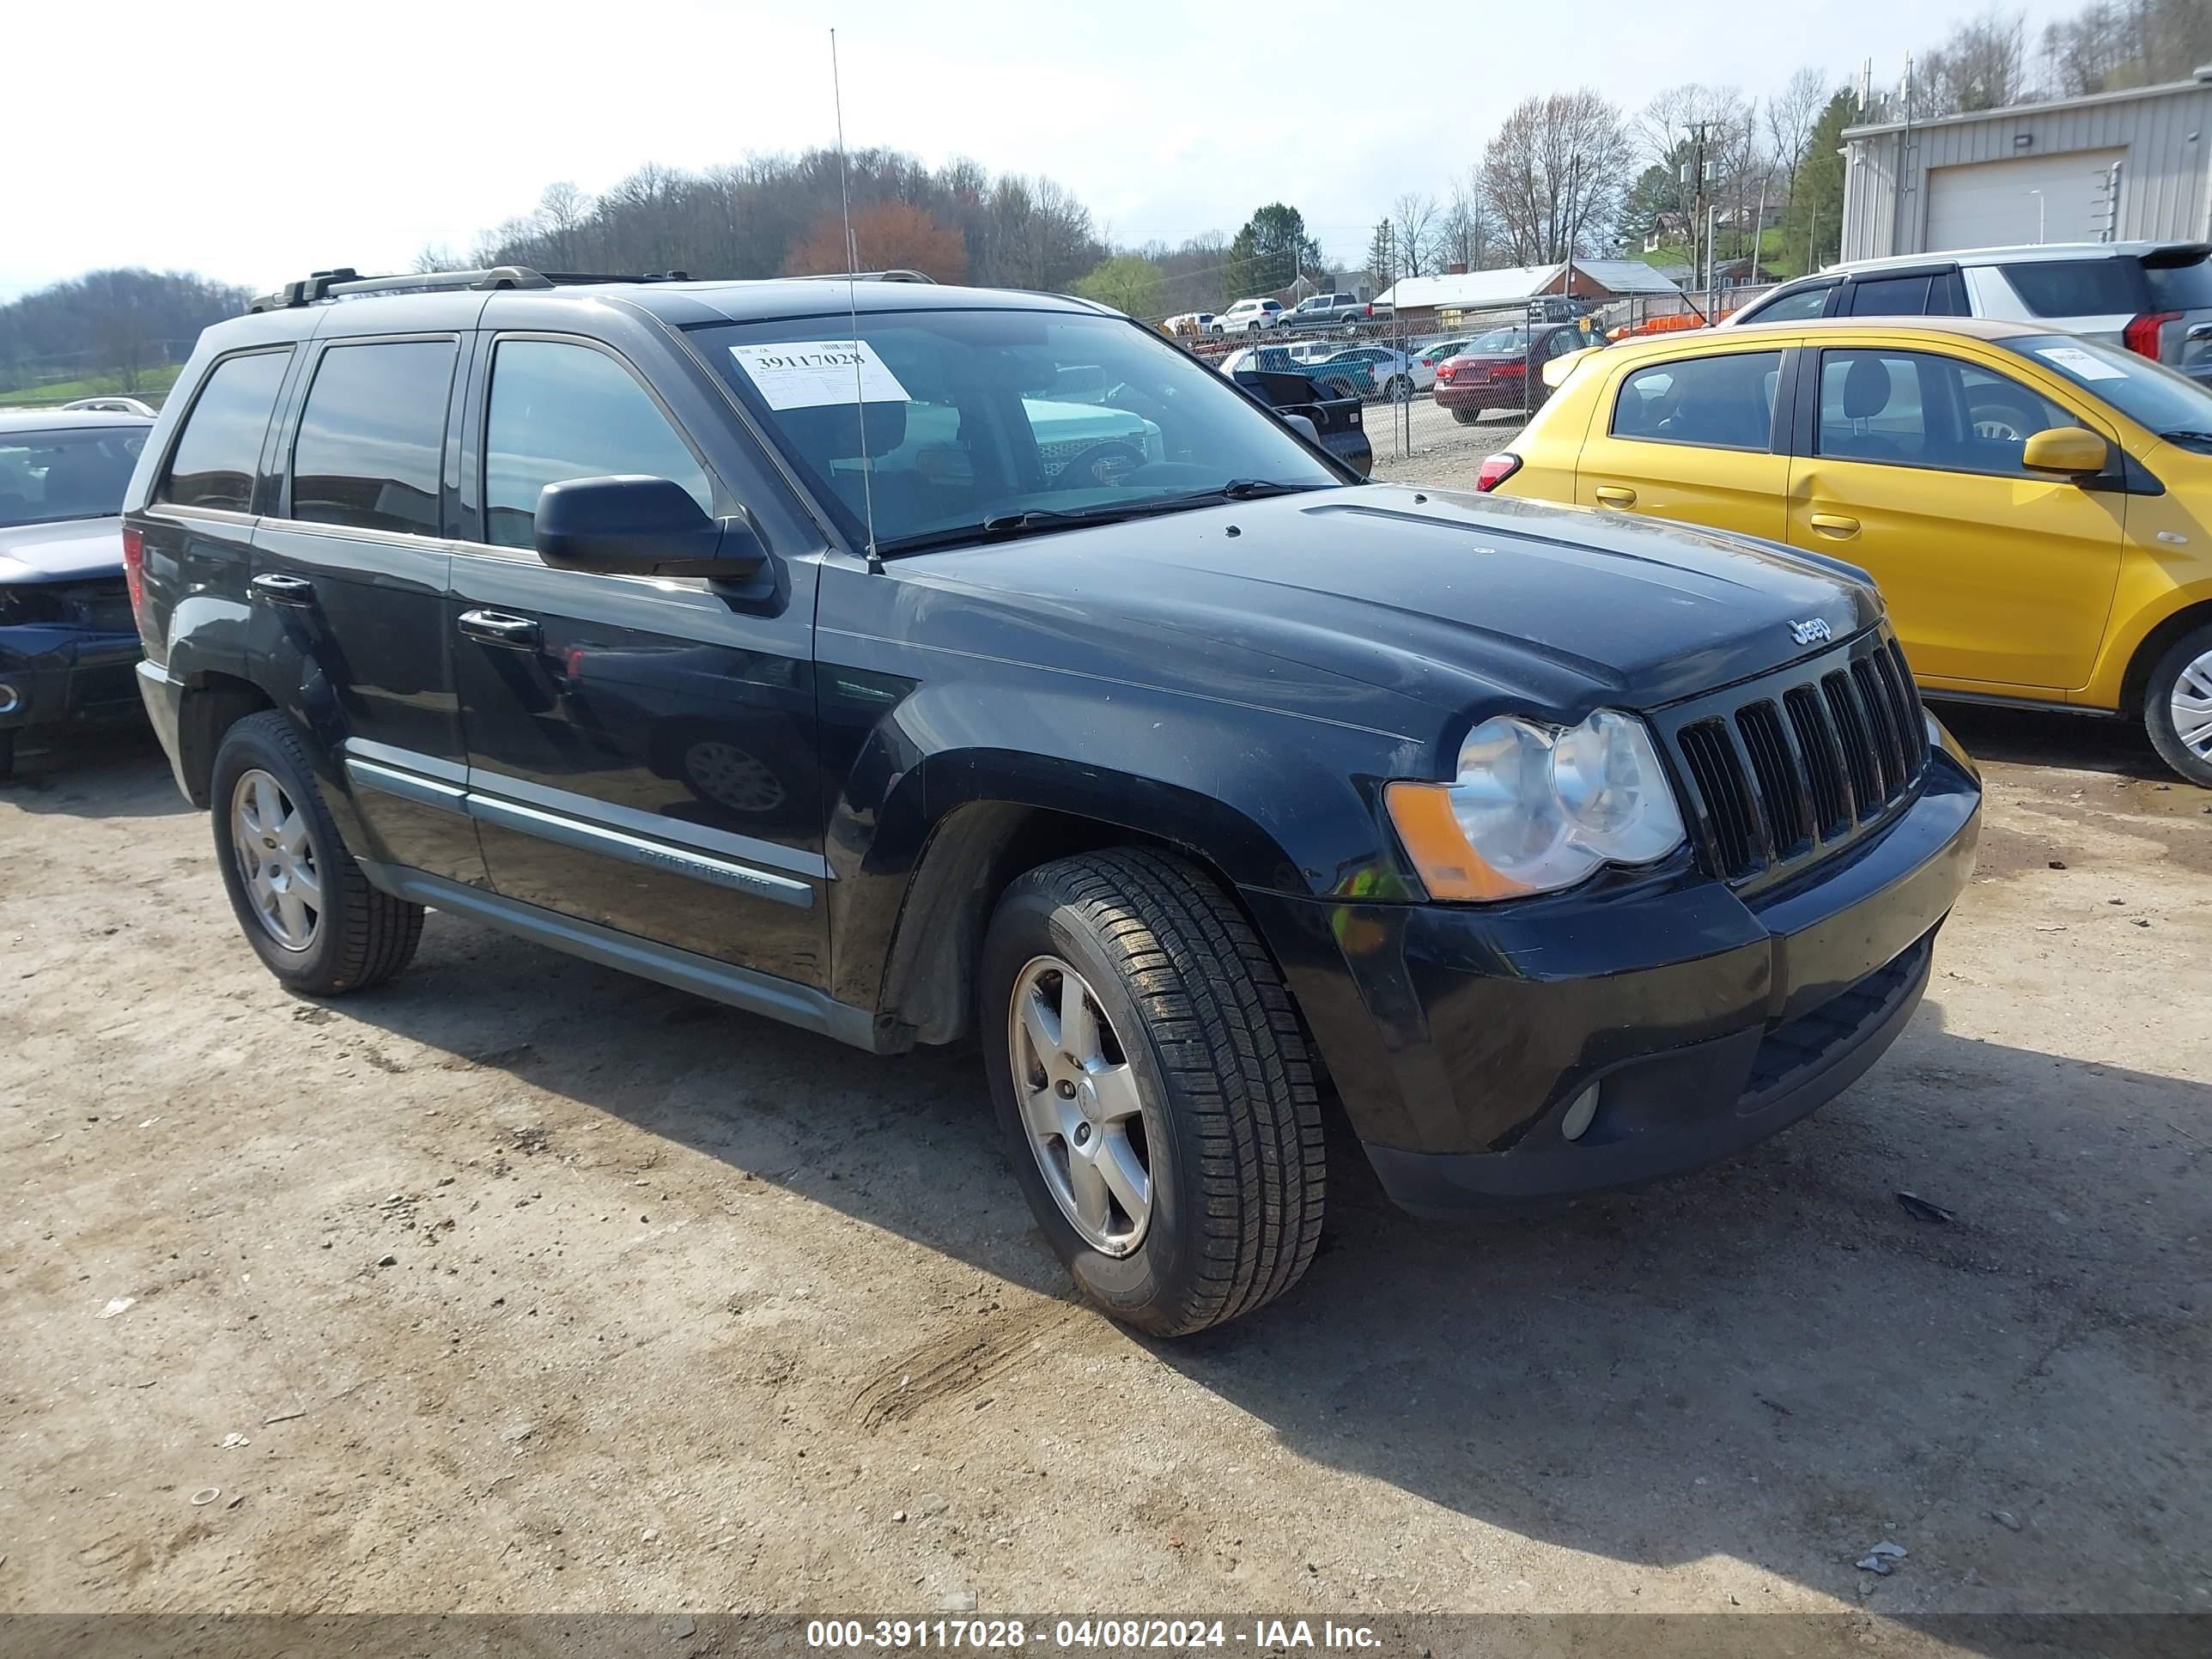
<point>1581,1115</point>
<point>10,698</point>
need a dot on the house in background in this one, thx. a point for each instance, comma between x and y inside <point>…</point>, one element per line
<point>1461,295</point>
<point>2112,167</point>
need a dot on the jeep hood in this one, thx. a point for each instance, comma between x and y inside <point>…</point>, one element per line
<point>68,551</point>
<point>1442,601</point>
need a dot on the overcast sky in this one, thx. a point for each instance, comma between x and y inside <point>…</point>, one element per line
<point>253,144</point>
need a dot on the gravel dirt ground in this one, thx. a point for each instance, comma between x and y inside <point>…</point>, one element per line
<point>521,1285</point>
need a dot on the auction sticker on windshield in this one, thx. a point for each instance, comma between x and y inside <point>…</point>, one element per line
<point>2076,361</point>
<point>809,374</point>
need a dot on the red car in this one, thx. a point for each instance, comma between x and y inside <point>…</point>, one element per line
<point>1492,371</point>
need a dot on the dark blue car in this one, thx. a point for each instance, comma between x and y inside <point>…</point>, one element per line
<point>67,641</point>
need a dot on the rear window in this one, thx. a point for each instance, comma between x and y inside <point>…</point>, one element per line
<point>219,451</point>
<point>2078,287</point>
<point>2186,286</point>
<point>72,473</point>
<point>1722,402</point>
<point>372,436</point>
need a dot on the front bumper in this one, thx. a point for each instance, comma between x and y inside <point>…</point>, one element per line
<point>1460,1038</point>
<point>52,675</point>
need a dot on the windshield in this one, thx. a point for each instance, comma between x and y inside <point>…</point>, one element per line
<point>976,419</point>
<point>1499,339</point>
<point>2149,394</point>
<point>72,473</point>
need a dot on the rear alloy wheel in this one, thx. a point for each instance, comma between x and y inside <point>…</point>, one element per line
<point>2178,706</point>
<point>1399,389</point>
<point>301,901</point>
<point>1154,1085</point>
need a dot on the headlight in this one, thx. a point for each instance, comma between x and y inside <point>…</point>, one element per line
<point>1535,808</point>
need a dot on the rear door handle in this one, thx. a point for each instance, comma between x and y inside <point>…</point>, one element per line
<point>497,627</point>
<point>1614,495</point>
<point>1835,524</point>
<point>280,589</point>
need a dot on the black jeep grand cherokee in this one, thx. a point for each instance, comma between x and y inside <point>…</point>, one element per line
<point>1096,715</point>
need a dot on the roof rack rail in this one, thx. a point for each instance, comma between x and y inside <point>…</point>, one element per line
<point>871,277</point>
<point>346,283</point>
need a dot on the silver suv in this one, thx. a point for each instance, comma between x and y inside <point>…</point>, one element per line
<point>2154,298</point>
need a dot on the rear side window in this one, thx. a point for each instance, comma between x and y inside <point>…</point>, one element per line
<point>1723,402</point>
<point>561,411</point>
<point>1890,296</point>
<point>219,451</point>
<point>2078,287</point>
<point>1792,308</point>
<point>372,436</point>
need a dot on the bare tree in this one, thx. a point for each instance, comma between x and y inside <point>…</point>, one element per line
<point>1469,233</point>
<point>1790,117</point>
<point>1982,64</point>
<point>1416,230</point>
<point>562,210</point>
<point>1704,137</point>
<point>1554,174</point>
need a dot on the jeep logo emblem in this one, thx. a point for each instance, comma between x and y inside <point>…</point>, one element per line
<point>1810,633</point>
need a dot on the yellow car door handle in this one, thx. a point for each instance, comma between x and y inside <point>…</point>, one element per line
<point>1614,495</point>
<point>1835,524</point>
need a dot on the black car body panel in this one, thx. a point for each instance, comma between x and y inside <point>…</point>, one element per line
<point>795,792</point>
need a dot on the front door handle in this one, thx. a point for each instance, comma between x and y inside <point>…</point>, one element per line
<point>280,589</point>
<point>497,627</point>
<point>1835,524</point>
<point>1614,495</point>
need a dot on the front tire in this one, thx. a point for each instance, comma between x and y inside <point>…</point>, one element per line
<point>1154,1083</point>
<point>2177,706</point>
<point>301,901</point>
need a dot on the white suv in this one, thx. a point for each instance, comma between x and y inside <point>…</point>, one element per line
<point>2154,298</point>
<point>1248,316</point>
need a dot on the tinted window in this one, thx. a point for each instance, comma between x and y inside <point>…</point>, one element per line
<point>567,411</point>
<point>1890,296</point>
<point>2077,287</point>
<point>2184,287</point>
<point>71,472</point>
<point>219,451</point>
<point>1724,401</point>
<point>1918,409</point>
<point>1792,308</point>
<point>372,436</point>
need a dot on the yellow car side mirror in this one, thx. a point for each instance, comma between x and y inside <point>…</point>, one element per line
<point>2073,450</point>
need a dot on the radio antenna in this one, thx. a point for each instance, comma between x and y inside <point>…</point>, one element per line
<point>852,310</point>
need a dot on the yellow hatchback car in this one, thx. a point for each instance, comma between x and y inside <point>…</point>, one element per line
<point>2036,508</point>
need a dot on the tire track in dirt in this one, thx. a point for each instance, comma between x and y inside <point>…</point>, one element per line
<point>948,1366</point>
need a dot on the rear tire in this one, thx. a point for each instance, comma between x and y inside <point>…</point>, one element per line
<point>1467,416</point>
<point>301,901</point>
<point>1184,1014</point>
<point>2177,706</point>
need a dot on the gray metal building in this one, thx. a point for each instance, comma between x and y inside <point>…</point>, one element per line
<point>2116,167</point>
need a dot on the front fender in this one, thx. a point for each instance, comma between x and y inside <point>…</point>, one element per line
<point>964,777</point>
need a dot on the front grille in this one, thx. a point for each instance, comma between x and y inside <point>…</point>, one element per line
<point>1799,763</point>
<point>100,605</point>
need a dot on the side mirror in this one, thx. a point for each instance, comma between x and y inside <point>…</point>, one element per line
<point>1303,426</point>
<point>2073,450</point>
<point>641,526</point>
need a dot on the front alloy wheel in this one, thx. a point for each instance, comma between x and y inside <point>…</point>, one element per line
<point>1079,1101</point>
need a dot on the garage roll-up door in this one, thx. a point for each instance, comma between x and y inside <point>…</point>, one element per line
<point>1993,204</point>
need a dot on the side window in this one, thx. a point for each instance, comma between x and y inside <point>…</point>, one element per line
<point>372,438</point>
<point>1921,409</point>
<point>561,411</point>
<point>219,451</point>
<point>1722,402</point>
<point>1792,308</point>
<point>1872,407</point>
<point>1890,296</point>
<point>2077,287</point>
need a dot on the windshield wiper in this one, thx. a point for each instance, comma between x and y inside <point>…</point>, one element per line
<point>2184,435</point>
<point>1036,521</point>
